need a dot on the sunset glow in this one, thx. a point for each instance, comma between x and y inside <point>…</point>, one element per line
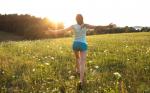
<point>97,12</point>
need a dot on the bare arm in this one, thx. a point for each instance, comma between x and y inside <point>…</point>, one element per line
<point>93,27</point>
<point>61,31</point>
<point>90,26</point>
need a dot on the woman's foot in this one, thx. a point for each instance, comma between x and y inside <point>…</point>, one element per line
<point>80,86</point>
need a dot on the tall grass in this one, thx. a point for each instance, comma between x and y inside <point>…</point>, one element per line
<point>116,63</point>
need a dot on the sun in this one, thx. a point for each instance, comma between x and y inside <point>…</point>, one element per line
<point>55,17</point>
<point>66,19</point>
<point>63,11</point>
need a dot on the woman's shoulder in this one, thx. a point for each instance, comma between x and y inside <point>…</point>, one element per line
<point>75,26</point>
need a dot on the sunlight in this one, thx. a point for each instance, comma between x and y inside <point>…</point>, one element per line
<point>95,12</point>
<point>60,11</point>
<point>55,17</point>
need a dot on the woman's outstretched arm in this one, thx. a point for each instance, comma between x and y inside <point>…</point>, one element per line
<point>93,27</point>
<point>61,31</point>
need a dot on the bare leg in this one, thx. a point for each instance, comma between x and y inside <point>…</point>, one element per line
<point>77,60</point>
<point>82,65</point>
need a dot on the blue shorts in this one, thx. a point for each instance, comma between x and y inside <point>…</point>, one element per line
<point>79,46</point>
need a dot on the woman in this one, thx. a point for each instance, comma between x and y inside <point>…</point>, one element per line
<point>79,43</point>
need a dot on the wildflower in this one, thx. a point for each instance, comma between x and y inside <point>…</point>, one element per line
<point>100,87</point>
<point>91,69</point>
<point>47,46</point>
<point>148,50</point>
<point>90,61</point>
<point>3,72</point>
<point>60,48</point>
<point>117,75</point>
<point>47,64</point>
<point>96,67</point>
<point>52,58</point>
<point>88,81</point>
<point>13,76</point>
<point>105,51</point>
<point>33,69</point>
<point>54,90</point>
<point>69,72</point>
<point>61,51</point>
<point>146,68</point>
<point>47,88</point>
<point>71,77</point>
<point>126,46</point>
<point>41,65</point>
<point>93,72</point>
<point>129,86</point>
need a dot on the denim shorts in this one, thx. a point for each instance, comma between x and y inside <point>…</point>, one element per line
<point>79,46</point>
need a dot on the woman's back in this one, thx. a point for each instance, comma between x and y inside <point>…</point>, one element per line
<point>79,33</point>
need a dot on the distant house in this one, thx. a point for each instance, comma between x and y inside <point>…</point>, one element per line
<point>138,28</point>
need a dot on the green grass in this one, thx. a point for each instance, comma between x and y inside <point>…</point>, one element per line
<point>47,66</point>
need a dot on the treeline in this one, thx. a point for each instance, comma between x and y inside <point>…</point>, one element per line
<point>30,27</point>
<point>116,29</point>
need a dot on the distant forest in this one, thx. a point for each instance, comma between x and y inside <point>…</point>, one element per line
<point>31,27</point>
<point>28,26</point>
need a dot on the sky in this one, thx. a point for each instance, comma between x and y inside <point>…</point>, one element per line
<point>95,12</point>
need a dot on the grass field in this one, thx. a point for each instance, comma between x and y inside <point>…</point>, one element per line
<point>116,63</point>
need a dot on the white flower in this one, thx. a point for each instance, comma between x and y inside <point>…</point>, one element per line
<point>47,46</point>
<point>13,76</point>
<point>33,69</point>
<point>105,51</point>
<point>96,67</point>
<point>47,64</point>
<point>91,69</point>
<point>60,48</point>
<point>61,51</point>
<point>3,72</point>
<point>54,90</point>
<point>52,58</point>
<point>90,61</point>
<point>117,75</point>
<point>71,77</point>
<point>69,72</point>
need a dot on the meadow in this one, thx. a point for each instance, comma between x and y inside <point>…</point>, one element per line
<point>116,63</point>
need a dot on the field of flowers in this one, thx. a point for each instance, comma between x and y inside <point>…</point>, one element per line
<point>116,63</point>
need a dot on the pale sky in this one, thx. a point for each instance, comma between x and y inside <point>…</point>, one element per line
<point>95,12</point>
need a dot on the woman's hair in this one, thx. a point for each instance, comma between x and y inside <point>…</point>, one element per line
<point>79,19</point>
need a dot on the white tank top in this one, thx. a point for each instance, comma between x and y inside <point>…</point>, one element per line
<point>79,33</point>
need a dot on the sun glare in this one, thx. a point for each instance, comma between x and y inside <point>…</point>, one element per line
<point>61,11</point>
<point>55,18</point>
